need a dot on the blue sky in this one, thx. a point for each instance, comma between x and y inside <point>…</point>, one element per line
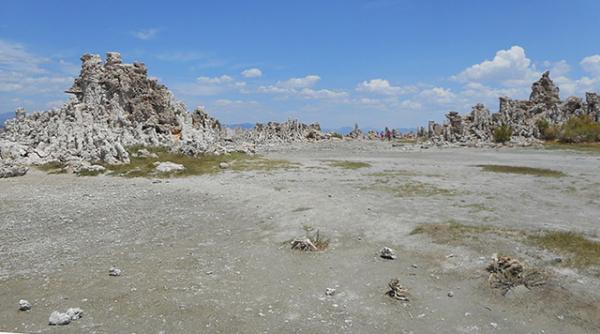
<point>378,63</point>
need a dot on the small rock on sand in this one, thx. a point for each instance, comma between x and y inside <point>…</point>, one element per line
<point>387,253</point>
<point>24,305</point>
<point>58,318</point>
<point>167,167</point>
<point>114,271</point>
<point>75,313</point>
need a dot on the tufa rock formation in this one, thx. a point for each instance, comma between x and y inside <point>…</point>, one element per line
<point>286,132</point>
<point>114,105</point>
<point>522,116</point>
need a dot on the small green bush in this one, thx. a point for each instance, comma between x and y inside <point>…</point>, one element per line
<point>551,133</point>
<point>502,133</point>
<point>542,125</point>
<point>547,131</point>
<point>336,135</point>
<point>580,129</point>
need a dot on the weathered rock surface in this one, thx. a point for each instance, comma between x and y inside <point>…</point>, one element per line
<point>12,170</point>
<point>522,116</point>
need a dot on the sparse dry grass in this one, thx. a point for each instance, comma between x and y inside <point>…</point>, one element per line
<point>478,207</point>
<point>581,252</point>
<point>454,231</point>
<point>312,242</point>
<point>581,147</point>
<point>256,163</point>
<point>301,209</point>
<point>345,164</point>
<point>388,173</point>
<point>319,241</point>
<point>522,170</point>
<point>54,167</point>
<point>90,173</point>
<point>410,189</point>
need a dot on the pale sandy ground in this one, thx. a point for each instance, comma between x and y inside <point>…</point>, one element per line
<point>207,254</point>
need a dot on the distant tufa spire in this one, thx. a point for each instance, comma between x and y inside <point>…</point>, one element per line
<point>544,91</point>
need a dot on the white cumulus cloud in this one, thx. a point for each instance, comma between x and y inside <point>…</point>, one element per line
<point>310,93</point>
<point>438,95</point>
<point>382,86</point>
<point>591,65</point>
<point>216,80</point>
<point>229,103</point>
<point>509,67</point>
<point>302,87</point>
<point>206,86</point>
<point>294,83</point>
<point>252,73</point>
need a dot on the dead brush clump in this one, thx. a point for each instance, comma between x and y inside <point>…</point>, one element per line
<point>507,273</point>
<point>397,291</point>
<point>311,243</point>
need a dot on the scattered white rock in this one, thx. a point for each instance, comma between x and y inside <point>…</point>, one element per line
<point>24,305</point>
<point>167,167</point>
<point>224,165</point>
<point>450,294</point>
<point>387,253</point>
<point>58,318</point>
<point>144,153</point>
<point>330,291</point>
<point>75,313</point>
<point>113,271</point>
<point>90,169</point>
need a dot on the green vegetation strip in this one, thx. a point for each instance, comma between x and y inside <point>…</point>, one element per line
<point>522,170</point>
<point>53,167</point>
<point>194,165</point>
<point>348,164</point>
<point>582,147</point>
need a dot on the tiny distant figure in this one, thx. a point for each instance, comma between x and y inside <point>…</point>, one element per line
<point>388,134</point>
